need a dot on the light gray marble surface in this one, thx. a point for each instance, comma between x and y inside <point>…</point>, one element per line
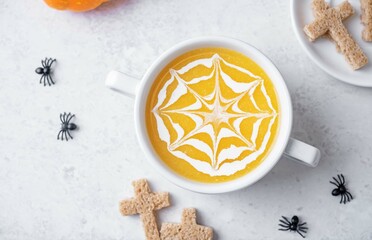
<point>70,190</point>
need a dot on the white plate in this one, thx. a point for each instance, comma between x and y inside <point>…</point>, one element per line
<point>323,52</point>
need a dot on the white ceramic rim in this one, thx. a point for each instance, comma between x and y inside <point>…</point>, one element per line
<point>315,58</point>
<point>284,103</point>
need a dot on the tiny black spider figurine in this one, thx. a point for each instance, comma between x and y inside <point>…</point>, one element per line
<point>341,189</point>
<point>293,225</point>
<point>66,126</point>
<point>45,71</point>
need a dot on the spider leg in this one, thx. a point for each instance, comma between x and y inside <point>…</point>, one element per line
<point>41,78</point>
<point>43,63</point>
<point>47,79</point>
<point>347,197</point>
<point>59,134</point>
<point>301,224</point>
<point>342,180</point>
<point>51,62</point>
<point>284,225</point>
<point>303,228</point>
<point>60,117</point>
<point>343,198</point>
<point>66,135</point>
<point>64,117</point>
<point>68,132</point>
<point>283,229</point>
<point>44,80</point>
<point>334,183</point>
<point>50,78</point>
<point>300,234</point>
<point>69,119</point>
<point>47,62</point>
<point>286,219</point>
<point>349,194</point>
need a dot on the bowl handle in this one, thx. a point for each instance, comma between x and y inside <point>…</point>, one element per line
<point>122,83</point>
<point>302,152</point>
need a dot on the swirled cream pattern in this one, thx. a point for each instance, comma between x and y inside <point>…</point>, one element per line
<point>215,115</point>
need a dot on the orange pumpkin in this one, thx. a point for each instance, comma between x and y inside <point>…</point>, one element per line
<point>74,5</point>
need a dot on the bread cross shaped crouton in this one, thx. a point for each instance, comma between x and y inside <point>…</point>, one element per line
<point>367,19</point>
<point>330,20</point>
<point>145,203</point>
<point>345,10</point>
<point>187,230</point>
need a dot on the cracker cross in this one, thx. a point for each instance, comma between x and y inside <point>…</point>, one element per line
<point>187,230</point>
<point>145,203</point>
<point>330,20</point>
<point>367,19</point>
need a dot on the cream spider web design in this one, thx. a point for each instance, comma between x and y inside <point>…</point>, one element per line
<point>214,115</point>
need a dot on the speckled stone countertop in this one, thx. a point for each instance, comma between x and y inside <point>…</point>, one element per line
<point>70,190</point>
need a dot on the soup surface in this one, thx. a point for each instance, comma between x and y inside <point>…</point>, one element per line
<point>212,115</point>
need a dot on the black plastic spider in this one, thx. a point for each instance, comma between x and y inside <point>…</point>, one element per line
<point>293,225</point>
<point>66,126</point>
<point>341,189</point>
<point>45,71</point>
